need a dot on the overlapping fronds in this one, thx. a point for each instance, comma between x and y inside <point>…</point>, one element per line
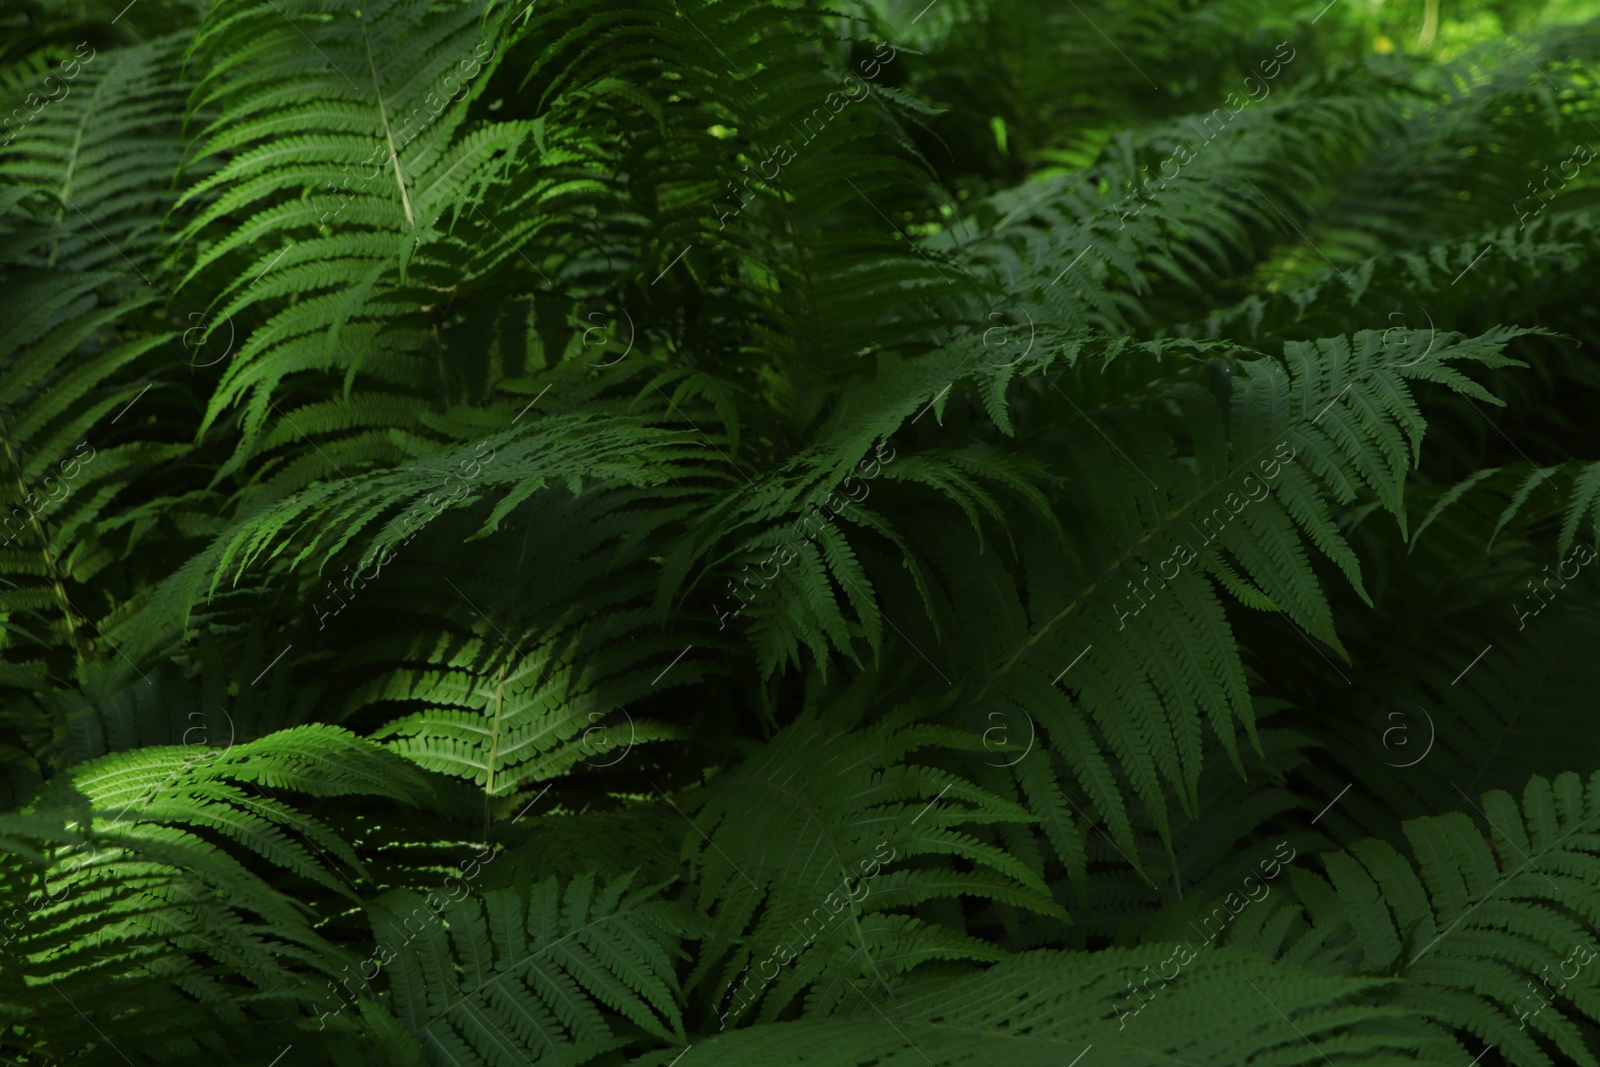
<point>564,971</point>
<point>805,853</point>
<point>1473,909</point>
<point>639,533</point>
<point>130,893</point>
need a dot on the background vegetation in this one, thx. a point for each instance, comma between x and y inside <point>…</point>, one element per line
<point>767,533</point>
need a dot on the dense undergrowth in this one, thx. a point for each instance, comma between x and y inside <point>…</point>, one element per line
<point>778,533</point>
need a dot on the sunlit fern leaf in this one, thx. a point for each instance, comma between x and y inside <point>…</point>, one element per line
<point>336,273</point>
<point>136,912</point>
<point>505,717</point>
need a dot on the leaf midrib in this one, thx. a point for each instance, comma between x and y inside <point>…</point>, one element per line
<point>72,162</point>
<point>388,133</point>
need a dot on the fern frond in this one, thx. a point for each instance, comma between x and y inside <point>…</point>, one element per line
<point>1488,901</point>
<point>130,910</point>
<point>564,971</point>
<point>805,852</point>
<point>1044,1009</point>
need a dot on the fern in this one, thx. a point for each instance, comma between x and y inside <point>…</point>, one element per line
<point>561,971</point>
<point>893,533</point>
<point>872,832</point>
<point>120,900</point>
<point>345,244</point>
<point>1493,900</point>
<point>1281,1013</point>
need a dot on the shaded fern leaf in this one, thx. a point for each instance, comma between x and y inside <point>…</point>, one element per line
<point>1487,915</point>
<point>1150,650</point>
<point>562,971</point>
<point>1042,1009</point>
<point>104,152</point>
<point>807,851</point>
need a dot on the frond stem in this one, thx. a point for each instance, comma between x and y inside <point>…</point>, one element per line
<point>50,562</point>
<point>388,133</point>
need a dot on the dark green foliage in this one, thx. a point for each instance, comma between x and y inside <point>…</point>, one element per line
<point>654,533</point>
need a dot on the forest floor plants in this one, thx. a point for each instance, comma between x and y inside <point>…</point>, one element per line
<point>981,703</point>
